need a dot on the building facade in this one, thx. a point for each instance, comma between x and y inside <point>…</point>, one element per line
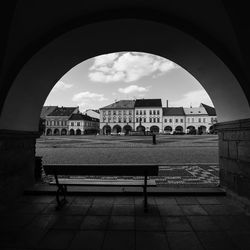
<point>117,117</point>
<point>57,120</point>
<point>148,115</point>
<point>79,124</point>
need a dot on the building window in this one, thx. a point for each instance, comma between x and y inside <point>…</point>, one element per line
<point>145,120</point>
<point>154,119</point>
<point>199,119</point>
<point>150,112</point>
<point>137,119</point>
<point>119,112</point>
<point>158,119</point>
<point>204,120</point>
<point>170,120</point>
<point>109,119</point>
<point>144,112</point>
<point>188,120</point>
<point>72,123</point>
<point>140,112</point>
<point>181,120</point>
<point>150,119</point>
<point>130,120</point>
<point>124,112</point>
<point>137,112</point>
<point>78,123</point>
<point>154,112</point>
<point>165,120</point>
<point>158,112</point>
<point>114,112</point>
<point>109,112</point>
<point>114,119</point>
<point>130,112</point>
<point>192,119</point>
<point>176,120</point>
<point>124,119</point>
<point>104,112</point>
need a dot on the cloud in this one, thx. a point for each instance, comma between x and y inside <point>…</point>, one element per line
<point>128,67</point>
<point>193,98</point>
<point>87,100</point>
<point>133,89</point>
<point>60,85</point>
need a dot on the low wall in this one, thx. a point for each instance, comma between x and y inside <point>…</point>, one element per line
<point>17,164</point>
<point>234,157</point>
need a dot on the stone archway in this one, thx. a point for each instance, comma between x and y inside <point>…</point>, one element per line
<point>78,132</point>
<point>202,130</point>
<point>154,129</point>
<point>49,131</point>
<point>56,131</point>
<point>72,132</point>
<point>179,129</point>
<point>64,131</point>
<point>106,130</point>
<point>127,129</point>
<point>117,129</point>
<point>33,84</point>
<point>168,129</point>
<point>191,130</point>
<point>140,128</point>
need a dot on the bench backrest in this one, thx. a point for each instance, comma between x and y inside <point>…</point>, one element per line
<point>103,169</point>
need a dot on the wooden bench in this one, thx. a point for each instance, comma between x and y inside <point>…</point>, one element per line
<point>59,171</point>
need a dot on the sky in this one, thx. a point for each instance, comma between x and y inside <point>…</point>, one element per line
<point>102,80</point>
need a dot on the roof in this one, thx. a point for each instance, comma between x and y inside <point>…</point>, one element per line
<point>148,103</point>
<point>210,110</point>
<point>195,111</point>
<point>173,111</point>
<point>46,110</point>
<point>81,117</point>
<point>63,111</point>
<point>122,104</point>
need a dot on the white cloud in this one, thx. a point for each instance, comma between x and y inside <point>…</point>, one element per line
<point>88,100</point>
<point>193,98</point>
<point>128,67</point>
<point>60,85</point>
<point>133,89</point>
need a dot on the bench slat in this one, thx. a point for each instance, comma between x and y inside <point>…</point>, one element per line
<point>84,182</point>
<point>103,169</point>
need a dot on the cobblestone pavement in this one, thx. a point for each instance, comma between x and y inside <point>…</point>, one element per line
<point>184,160</point>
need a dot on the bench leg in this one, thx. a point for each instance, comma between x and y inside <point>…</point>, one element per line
<point>62,189</point>
<point>145,194</point>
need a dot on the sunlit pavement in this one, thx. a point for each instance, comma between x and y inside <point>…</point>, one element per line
<point>119,222</point>
<point>184,160</point>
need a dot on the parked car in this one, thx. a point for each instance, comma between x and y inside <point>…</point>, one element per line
<point>121,133</point>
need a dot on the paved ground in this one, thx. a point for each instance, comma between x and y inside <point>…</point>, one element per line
<point>117,223</point>
<point>184,159</point>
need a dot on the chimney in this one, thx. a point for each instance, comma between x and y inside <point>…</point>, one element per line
<point>167,103</point>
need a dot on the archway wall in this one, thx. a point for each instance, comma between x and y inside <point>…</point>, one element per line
<point>39,75</point>
<point>24,101</point>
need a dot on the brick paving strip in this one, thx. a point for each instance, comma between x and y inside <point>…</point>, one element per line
<point>195,175</point>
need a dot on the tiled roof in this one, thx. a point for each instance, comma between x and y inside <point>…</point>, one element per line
<point>76,117</point>
<point>46,110</point>
<point>148,103</point>
<point>195,111</point>
<point>122,104</point>
<point>63,111</point>
<point>79,117</point>
<point>173,111</point>
<point>210,110</point>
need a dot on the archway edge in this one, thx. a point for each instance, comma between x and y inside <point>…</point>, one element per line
<point>47,66</point>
